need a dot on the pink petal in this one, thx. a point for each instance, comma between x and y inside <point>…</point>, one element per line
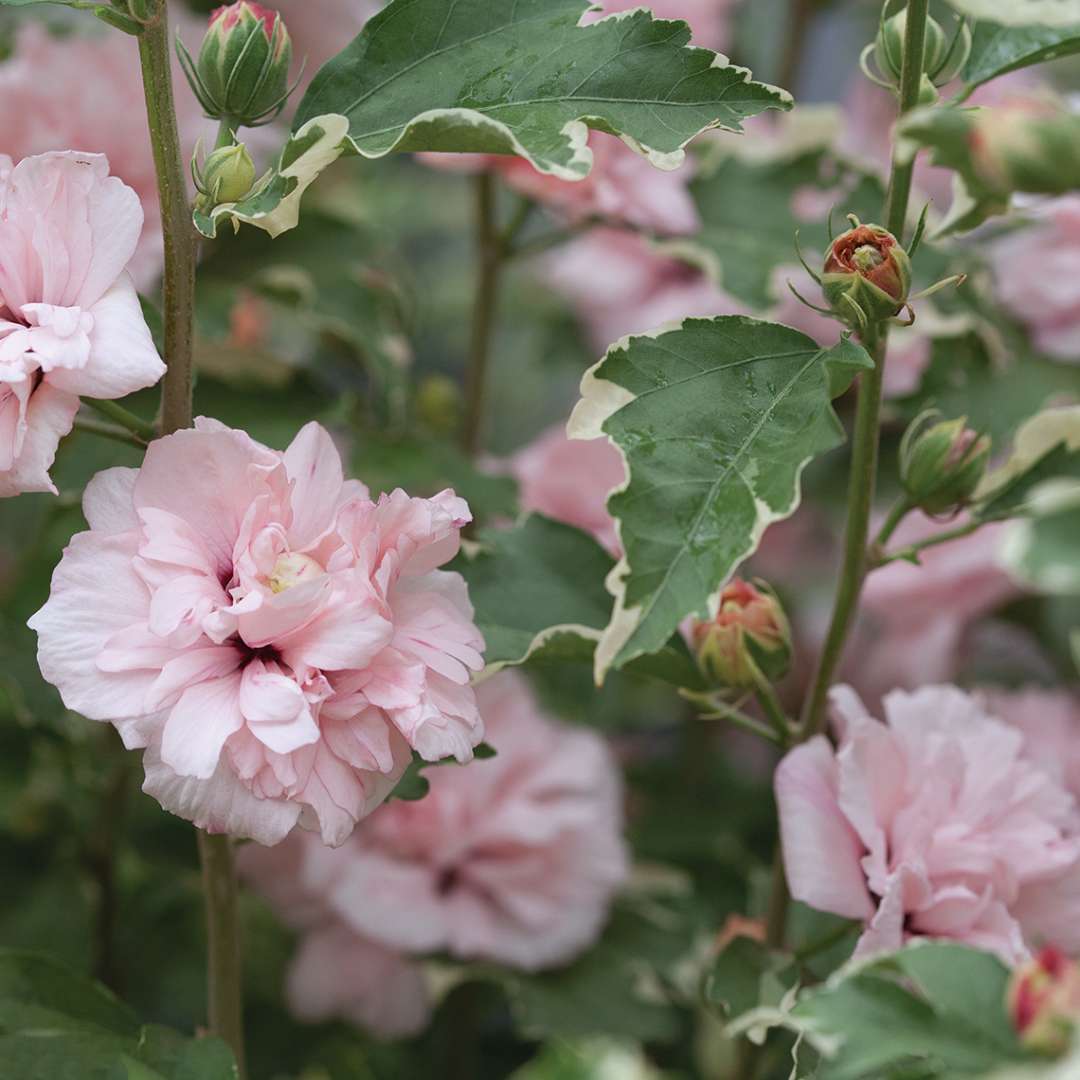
<point>107,501</point>
<point>95,594</point>
<point>49,416</point>
<point>821,850</point>
<point>220,804</point>
<point>190,669</point>
<point>276,710</point>
<point>349,634</point>
<point>314,466</point>
<point>199,724</point>
<point>123,357</point>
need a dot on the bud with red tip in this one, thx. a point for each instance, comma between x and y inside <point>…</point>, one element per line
<point>1044,1002</point>
<point>867,275</point>
<point>242,73</point>
<point>748,642</point>
<point>942,463</point>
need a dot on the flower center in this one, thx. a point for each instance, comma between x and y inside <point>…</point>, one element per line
<point>292,569</point>
<point>867,258</point>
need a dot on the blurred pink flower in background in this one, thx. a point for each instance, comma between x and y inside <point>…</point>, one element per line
<point>622,284</point>
<point>932,824</point>
<point>914,618</point>
<point>275,639</point>
<point>335,973</point>
<point>69,109</point>
<point>570,480</point>
<point>514,859</point>
<point>1037,276</point>
<point>622,186</point>
<point>70,320</point>
<point>1050,722</point>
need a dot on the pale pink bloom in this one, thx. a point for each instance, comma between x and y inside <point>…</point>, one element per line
<point>622,186</point>
<point>709,19</point>
<point>335,973</point>
<point>621,284</point>
<point>514,859</point>
<point>1037,276</point>
<point>915,618</point>
<point>91,100</point>
<point>70,320</point>
<point>570,480</point>
<point>932,824</point>
<point>275,639</point>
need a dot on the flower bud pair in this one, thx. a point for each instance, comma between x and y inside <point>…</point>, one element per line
<point>942,463</point>
<point>242,73</point>
<point>1044,1002</point>
<point>748,641</point>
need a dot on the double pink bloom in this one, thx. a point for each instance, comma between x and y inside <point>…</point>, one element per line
<point>277,641</point>
<point>935,823</point>
<point>70,321</point>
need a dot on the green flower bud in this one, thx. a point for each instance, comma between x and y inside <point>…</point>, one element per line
<point>944,54</point>
<point>226,176</point>
<point>942,463</point>
<point>1032,145</point>
<point>748,641</point>
<point>242,73</point>
<point>867,276</point>
<point>439,404</point>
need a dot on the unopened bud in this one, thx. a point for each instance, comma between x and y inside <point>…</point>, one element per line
<point>292,569</point>
<point>1031,145</point>
<point>226,176</point>
<point>438,404</point>
<point>942,463</point>
<point>867,275</point>
<point>242,73</point>
<point>1044,1002</point>
<point>749,639</point>
<point>944,54</point>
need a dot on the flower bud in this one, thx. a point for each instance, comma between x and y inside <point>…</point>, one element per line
<point>942,464</point>
<point>1031,145</point>
<point>867,275</point>
<point>1044,1002</point>
<point>226,176</point>
<point>439,404</point>
<point>748,641</point>
<point>293,568</point>
<point>242,73</point>
<point>944,54</point>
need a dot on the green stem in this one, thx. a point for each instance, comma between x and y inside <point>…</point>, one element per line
<point>109,431</point>
<point>222,942</point>
<point>219,876</point>
<point>864,452</point>
<point>225,133</point>
<point>176,224</point>
<point>800,16</point>
<point>144,429</point>
<point>901,508</point>
<point>489,258</point>
<point>911,552</point>
<point>772,708</point>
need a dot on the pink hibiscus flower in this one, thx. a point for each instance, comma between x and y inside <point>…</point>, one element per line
<point>514,859</point>
<point>932,824</point>
<point>70,320</point>
<point>275,639</point>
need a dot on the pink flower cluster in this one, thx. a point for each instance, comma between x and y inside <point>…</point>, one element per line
<point>277,641</point>
<point>70,320</point>
<point>513,860</point>
<point>938,822</point>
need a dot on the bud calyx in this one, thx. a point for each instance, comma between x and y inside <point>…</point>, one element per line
<point>867,275</point>
<point>942,463</point>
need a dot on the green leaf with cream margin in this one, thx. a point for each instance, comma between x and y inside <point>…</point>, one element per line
<point>1021,12</point>
<point>715,419</point>
<point>509,77</point>
<point>538,592</point>
<point>1046,450</point>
